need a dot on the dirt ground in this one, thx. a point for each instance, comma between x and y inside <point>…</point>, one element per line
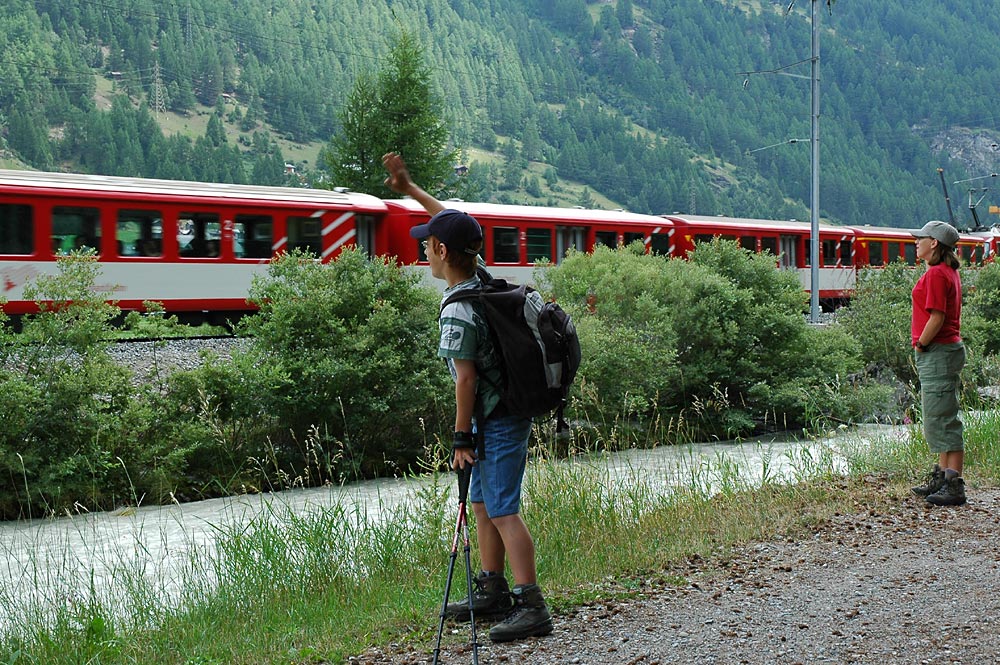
<point>892,581</point>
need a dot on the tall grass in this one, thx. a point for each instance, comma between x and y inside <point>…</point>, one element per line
<point>316,586</point>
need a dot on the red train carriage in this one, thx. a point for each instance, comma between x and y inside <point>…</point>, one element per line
<point>790,241</point>
<point>195,247</point>
<point>878,246</point>
<point>515,237</point>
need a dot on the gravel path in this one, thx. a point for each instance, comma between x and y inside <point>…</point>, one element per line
<point>892,581</point>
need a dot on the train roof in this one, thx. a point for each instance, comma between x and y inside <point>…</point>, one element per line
<point>907,234</point>
<point>722,221</point>
<point>102,186</point>
<point>537,213</point>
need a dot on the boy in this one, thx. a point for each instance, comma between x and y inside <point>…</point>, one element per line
<point>452,241</point>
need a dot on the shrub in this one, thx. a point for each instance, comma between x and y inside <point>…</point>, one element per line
<point>356,343</point>
<point>720,338</point>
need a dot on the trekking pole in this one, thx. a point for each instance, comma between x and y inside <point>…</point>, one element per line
<point>461,530</point>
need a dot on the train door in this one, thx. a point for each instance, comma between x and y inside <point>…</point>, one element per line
<point>366,233</point>
<point>789,252</point>
<point>568,237</point>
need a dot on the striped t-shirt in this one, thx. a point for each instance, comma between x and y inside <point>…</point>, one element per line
<point>465,335</point>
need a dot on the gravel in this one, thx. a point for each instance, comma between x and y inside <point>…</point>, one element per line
<point>892,581</point>
<point>148,358</point>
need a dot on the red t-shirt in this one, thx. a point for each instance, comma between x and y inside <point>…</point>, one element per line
<point>940,288</point>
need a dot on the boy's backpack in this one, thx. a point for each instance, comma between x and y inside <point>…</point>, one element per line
<point>537,343</point>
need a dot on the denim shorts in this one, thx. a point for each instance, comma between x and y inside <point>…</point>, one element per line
<point>938,369</point>
<point>496,480</point>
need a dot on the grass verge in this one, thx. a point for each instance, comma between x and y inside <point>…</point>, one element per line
<point>317,587</point>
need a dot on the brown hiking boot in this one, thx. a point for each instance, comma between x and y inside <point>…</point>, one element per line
<point>530,617</point>
<point>934,482</point>
<point>952,493</point>
<point>490,599</point>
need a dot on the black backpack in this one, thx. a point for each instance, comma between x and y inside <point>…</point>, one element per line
<point>537,342</point>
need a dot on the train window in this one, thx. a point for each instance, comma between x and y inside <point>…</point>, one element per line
<point>569,237</point>
<point>892,255</point>
<point>875,256</point>
<point>303,233</point>
<point>845,253</point>
<point>198,234</point>
<point>139,233</point>
<point>253,236</point>
<point>910,253</point>
<point>632,236</point>
<point>749,243</point>
<point>365,237</point>
<point>702,237</point>
<point>659,243</point>
<point>539,245</point>
<point>17,229</point>
<point>829,252</point>
<point>977,255</point>
<point>75,228</point>
<point>505,246</point>
<point>769,245</point>
<point>966,253</point>
<point>606,238</point>
<point>790,252</point>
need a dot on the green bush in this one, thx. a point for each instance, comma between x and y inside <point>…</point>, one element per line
<point>61,443</point>
<point>719,340</point>
<point>356,343</point>
<point>879,315</point>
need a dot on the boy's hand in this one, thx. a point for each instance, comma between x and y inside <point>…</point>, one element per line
<point>399,178</point>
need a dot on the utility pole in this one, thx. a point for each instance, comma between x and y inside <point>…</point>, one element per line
<point>814,189</point>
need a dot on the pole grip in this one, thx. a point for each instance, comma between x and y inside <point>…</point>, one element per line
<point>464,477</point>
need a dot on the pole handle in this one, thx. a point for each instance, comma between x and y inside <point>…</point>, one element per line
<point>464,477</point>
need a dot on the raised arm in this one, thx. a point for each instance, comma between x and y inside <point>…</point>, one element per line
<point>399,181</point>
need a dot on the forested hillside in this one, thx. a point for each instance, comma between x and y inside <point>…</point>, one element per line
<point>640,101</point>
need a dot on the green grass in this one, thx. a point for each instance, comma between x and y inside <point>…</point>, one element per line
<point>321,586</point>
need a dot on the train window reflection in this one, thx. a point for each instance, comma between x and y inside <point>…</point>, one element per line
<point>198,234</point>
<point>75,228</point>
<point>606,238</point>
<point>539,245</point>
<point>253,236</point>
<point>139,233</point>
<point>845,252</point>
<point>893,252</point>
<point>875,256</point>
<point>505,246</point>
<point>17,229</point>
<point>659,243</point>
<point>830,252</point>
<point>632,236</point>
<point>303,233</point>
<point>769,245</point>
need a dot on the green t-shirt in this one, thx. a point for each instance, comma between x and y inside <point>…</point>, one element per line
<point>465,335</point>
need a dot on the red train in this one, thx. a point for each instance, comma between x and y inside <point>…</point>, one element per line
<point>195,247</point>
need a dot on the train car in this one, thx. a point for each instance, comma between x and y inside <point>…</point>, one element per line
<point>194,247</point>
<point>788,241</point>
<point>515,236</point>
<point>878,246</point>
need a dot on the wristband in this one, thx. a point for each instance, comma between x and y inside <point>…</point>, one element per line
<point>463,440</point>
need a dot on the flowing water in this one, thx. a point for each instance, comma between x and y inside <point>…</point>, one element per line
<point>65,560</point>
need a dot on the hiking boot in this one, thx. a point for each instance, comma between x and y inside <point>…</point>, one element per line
<point>530,617</point>
<point>934,482</point>
<point>490,599</point>
<point>952,493</point>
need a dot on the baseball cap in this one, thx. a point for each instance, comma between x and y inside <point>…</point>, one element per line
<point>943,232</point>
<point>458,231</point>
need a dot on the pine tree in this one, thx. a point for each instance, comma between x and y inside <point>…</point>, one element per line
<point>396,109</point>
